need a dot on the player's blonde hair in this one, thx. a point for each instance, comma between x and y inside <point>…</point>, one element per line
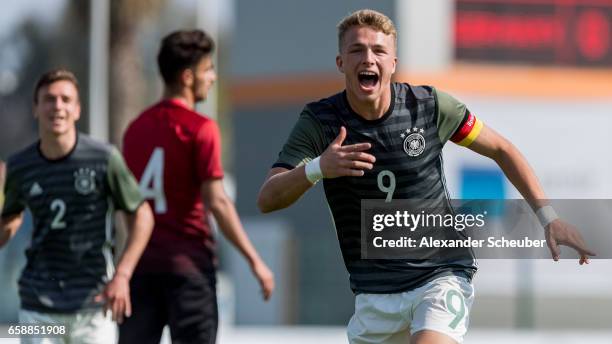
<point>366,17</point>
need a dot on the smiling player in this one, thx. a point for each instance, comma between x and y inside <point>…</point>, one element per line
<point>71,185</point>
<point>378,133</point>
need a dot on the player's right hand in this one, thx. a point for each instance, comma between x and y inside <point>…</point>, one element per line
<point>349,160</point>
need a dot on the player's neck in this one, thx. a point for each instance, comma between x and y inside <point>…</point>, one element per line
<point>184,96</point>
<point>55,147</point>
<point>370,110</point>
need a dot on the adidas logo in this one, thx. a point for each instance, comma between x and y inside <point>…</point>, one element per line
<point>35,190</point>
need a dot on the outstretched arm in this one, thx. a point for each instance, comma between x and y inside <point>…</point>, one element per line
<point>492,145</point>
<point>223,210</point>
<point>517,170</point>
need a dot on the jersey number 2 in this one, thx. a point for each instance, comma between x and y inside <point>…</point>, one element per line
<point>152,181</point>
<point>59,207</point>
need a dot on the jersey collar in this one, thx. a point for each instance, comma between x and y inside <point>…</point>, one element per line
<point>374,121</point>
<point>176,102</point>
<point>60,159</point>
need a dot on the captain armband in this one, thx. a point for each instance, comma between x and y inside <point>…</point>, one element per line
<point>468,130</point>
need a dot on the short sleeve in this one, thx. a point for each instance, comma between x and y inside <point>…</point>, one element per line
<point>14,202</point>
<point>451,113</point>
<point>208,152</point>
<point>122,184</point>
<point>455,121</point>
<point>306,142</point>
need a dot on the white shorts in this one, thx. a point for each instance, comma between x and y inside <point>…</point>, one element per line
<point>84,327</point>
<point>442,305</point>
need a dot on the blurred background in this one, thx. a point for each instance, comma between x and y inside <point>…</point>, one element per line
<point>539,72</point>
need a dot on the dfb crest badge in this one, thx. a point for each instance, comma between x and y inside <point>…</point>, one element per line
<point>414,141</point>
<point>85,181</point>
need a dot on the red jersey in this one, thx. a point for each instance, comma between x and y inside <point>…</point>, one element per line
<point>172,150</point>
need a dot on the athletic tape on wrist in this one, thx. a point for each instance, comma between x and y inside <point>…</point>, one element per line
<point>546,215</point>
<point>313,170</point>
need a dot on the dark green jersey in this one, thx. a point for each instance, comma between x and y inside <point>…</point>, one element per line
<point>72,200</point>
<point>407,143</point>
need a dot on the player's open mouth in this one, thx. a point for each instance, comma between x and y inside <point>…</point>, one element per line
<point>368,80</point>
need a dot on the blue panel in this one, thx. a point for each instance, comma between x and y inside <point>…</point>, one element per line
<point>482,183</point>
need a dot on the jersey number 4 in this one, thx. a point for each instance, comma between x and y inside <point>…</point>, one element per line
<point>152,181</point>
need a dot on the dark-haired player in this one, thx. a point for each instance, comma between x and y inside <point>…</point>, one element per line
<point>176,154</point>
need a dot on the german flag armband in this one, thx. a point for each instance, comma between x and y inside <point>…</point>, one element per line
<point>468,130</point>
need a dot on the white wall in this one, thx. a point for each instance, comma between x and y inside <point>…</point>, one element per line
<point>567,142</point>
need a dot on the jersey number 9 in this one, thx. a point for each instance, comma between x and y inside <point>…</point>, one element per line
<point>388,188</point>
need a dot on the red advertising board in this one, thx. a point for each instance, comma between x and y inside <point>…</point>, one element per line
<point>562,32</point>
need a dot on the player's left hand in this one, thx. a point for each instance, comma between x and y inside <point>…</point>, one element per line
<point>559,232</point>
<point>265,278</point>
<point>116,297</point>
